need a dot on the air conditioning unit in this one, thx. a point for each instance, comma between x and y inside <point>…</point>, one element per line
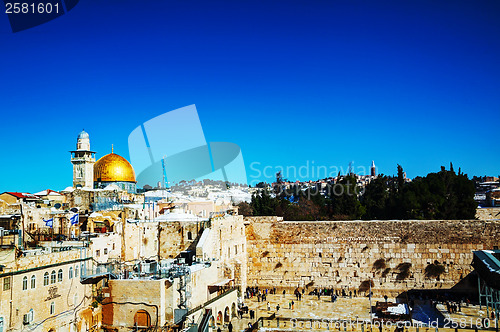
<point>26,319</point>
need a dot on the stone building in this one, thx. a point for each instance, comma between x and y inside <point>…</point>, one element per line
<point>41,291</point>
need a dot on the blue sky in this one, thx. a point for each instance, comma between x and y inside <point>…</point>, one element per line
<point>409,82</point>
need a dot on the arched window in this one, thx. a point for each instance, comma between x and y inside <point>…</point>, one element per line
<point>25,283</point>
<point>52,308</point>
<point>46,279</point>
<point>59,275</point>
<point>33,281</point>
<point>190,236</point>
<point>76,271</point>
<point>53,277</point>
<point>71,272</point>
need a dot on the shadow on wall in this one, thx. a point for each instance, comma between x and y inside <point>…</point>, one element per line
<point>466,288</point>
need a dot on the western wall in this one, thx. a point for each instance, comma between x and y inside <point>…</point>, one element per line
<point>396,255</point>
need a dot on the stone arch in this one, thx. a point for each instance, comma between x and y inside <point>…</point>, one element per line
<point>227,317</point>
<point>233,310</point>
<point>142,319</point>
<point>219,317</point>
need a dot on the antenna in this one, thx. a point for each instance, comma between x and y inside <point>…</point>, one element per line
<point>164,172</point>
<point>349,170</point>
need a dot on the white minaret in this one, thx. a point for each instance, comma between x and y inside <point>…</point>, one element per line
<point>83,162</point>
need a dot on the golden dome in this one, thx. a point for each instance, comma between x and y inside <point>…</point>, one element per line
<point>113,168</point>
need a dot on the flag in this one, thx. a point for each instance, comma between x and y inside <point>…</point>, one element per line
<point>49,222</point>
<point>74,219</point>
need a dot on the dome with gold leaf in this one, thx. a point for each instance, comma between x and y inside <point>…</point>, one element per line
<point>114,169</point>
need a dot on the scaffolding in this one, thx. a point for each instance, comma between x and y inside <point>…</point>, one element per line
<point>487,266</point>
<point>490,297</point>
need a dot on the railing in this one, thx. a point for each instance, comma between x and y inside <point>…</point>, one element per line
<point>201,306</point>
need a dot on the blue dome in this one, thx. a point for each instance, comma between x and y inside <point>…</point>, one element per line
<point>83,134</point>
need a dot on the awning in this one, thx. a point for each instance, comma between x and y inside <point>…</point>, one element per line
<point>222,282</point>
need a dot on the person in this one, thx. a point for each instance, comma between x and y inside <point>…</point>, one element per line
<point>268,306</point>
<point>277,308</point>
<point>292,304</point>
<point>385,298</point>
<point>218,329</point>
<point>230,327</point>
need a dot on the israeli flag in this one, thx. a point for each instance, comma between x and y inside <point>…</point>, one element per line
<point>49,222</point>
<point>74,219</point>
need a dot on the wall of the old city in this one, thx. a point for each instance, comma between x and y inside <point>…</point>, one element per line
<point>346,254</point>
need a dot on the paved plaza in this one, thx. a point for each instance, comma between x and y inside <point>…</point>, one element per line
<point>310,310</point>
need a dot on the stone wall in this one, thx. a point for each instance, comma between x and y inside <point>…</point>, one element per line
<point>488,213</point>
<point>347,254</point>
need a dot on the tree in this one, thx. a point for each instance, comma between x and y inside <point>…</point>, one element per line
<point>245,209</point>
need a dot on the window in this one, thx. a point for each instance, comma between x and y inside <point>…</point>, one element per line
<point>25,283</point>
<point>75,299</point>
<point>105,251</point>
<point>97,253</point>
<point>52,308</point>
<point>190,236</point>
<point>113,246</point>
<point>53,277</point>
<point>71,272</point>
<point>236,249</point>
<point>33,281</point>
<point>228,252</point>
<point>59,275</point>
<point>6,283</point>
<point>1,324</point>
<point>76,271</point>
<point>46,279</point>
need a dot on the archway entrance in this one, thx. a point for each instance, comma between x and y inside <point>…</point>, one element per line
<point>142,319</point>
<point>233,310</point>
<point>226,315</point>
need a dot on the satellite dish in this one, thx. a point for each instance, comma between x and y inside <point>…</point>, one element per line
<point>75,210</point>
<point>57,206</point>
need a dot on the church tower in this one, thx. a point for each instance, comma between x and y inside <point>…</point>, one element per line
<point>83,162</point>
